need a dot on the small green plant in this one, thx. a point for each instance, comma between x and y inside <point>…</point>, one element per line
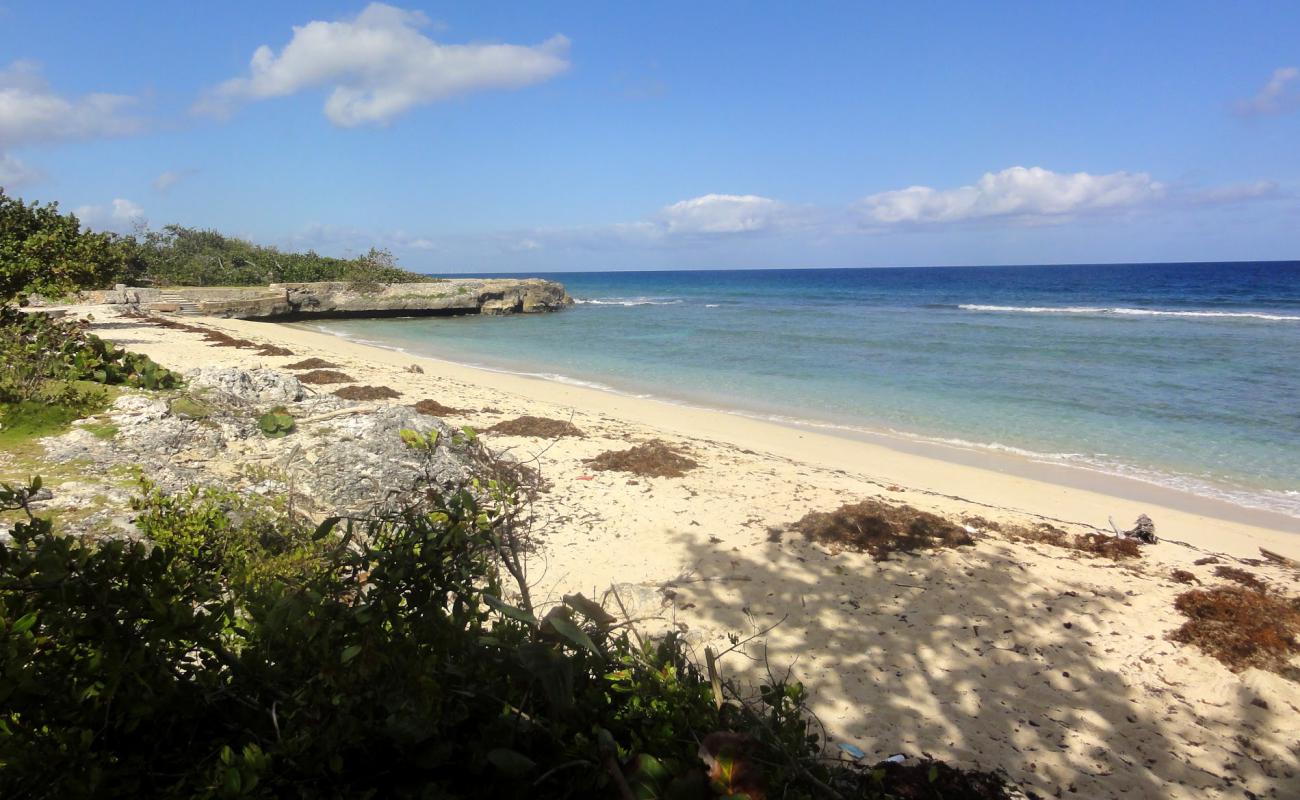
<point>419,441</point>
<point>276,423</point>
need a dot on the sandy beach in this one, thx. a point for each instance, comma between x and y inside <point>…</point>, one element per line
<point>1050,663</point>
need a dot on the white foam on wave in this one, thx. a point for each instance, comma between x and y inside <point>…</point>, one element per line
<point>1131,312</point>
<point>628,301</point>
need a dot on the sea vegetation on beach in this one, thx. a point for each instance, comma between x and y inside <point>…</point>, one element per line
<point>1241,627</point>
<point>540,427</point>
<point>880,528</point>
<point>312,363</point>
<point>654,459</point>
<point>433,408</point>
<point>214,337</point>
<point>325,376</point>
<point>367,393</point>
<point>1241,576</point>
<point>1116,548</point>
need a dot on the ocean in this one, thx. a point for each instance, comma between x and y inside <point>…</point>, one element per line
<point>1182,375</point>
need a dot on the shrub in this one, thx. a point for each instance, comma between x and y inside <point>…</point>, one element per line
<point>276,423</point>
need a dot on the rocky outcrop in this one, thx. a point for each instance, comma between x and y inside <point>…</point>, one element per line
<point>289,301</point>
<point>342,458</point>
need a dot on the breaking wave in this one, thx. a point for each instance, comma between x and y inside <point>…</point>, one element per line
<point>1130,312</point>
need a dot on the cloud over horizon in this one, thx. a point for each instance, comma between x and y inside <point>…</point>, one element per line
<point>1279,96</point>
<point>1016,193</point>
<point>721,214</point>
<point>379,65</point>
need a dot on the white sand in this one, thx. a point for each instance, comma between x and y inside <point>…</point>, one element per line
<point>1052,665</point>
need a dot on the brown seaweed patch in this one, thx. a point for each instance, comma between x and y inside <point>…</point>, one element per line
<point>654,459</point>
<point>1240,627</point>
<point>312,363</point>
<point>880,528</point>
<point>366,393</point>
<point>543,427</point>
<point>1241,576</point>
<point>273,350</point>
<point>435,409</point>
<point>1183,576</point>
<point>325,376</point>
<point>1115,548</point>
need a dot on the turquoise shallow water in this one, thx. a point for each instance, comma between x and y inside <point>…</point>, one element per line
<point>1183,375</point>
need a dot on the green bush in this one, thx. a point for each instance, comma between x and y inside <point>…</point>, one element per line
<point>276,423</point>
<point>43,251</point>
<point>236,653</point>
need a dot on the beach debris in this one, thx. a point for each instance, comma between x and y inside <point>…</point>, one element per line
<point>1097,544</point>
<point>1277,558</point>
<point>415,368</point>
<point>1183,576</point>
<point>1240,576</point>
<point>1144,530</point>
<point>654,459</point>
<point>325,376</point>
<point>925,777</point>
<point>852,750</point>
<point>879,528</point>
<point>433,408</point>
<point>1241,627</point>
<point>366,393</point>
<point>312,363</point>
<point>541,427</point>
<point>1200,562</point>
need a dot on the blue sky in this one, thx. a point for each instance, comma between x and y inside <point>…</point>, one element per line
<point>530,136</point>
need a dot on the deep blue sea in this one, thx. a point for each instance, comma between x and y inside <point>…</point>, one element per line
<point>1186,375</point>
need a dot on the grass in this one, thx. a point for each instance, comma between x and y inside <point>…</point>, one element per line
<point>879,528</point>
<point>542,427</point>
<point>51,413</point>
<point>654,459</point>
<point>1241,627</point>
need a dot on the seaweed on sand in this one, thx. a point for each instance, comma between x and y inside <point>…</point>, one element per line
<point>1240,627</point>
<point>1115,548</point>
<point>1240,576</point>
<point>312,363</point>
<point>435,409</point>
<point>879,528</point>
<point>654,459</point>
<point>325,376</point>
<point>366,393</point>
<point>542,427</point>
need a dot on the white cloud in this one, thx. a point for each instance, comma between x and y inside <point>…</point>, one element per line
<point>1280,95</point>
<point>14,173</point>
<point>32,113</point>
<point>722,214</point>
<point>1022,193</point>
<point>379,65</point>
<point>122,216</point>
<point>1235,193</point>
<point>169,178</point>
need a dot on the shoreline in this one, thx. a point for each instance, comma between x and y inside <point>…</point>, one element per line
<point>1050,663</point>
<point>999,459</point>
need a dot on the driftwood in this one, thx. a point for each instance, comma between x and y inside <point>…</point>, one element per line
<point>1277,558</point>
<point>1144,530</point>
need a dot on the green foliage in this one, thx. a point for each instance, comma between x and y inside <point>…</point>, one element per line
<point>236,653</point>
<point>181,256</point>
<point>43,251</point>
<point>419,441</point>
<point>36,348</point>
<point>276,423</point>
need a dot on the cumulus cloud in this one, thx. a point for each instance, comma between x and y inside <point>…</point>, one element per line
<point>1280,95</point>
<point>32,113</point>
<point>380,64</point>
<point>1028,194</point>
<point>121,215</point>
<point>14,173</point>
<point>722,214</point>
<point>169,178</point>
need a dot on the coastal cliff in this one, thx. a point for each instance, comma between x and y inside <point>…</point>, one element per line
<point>337,299</point>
